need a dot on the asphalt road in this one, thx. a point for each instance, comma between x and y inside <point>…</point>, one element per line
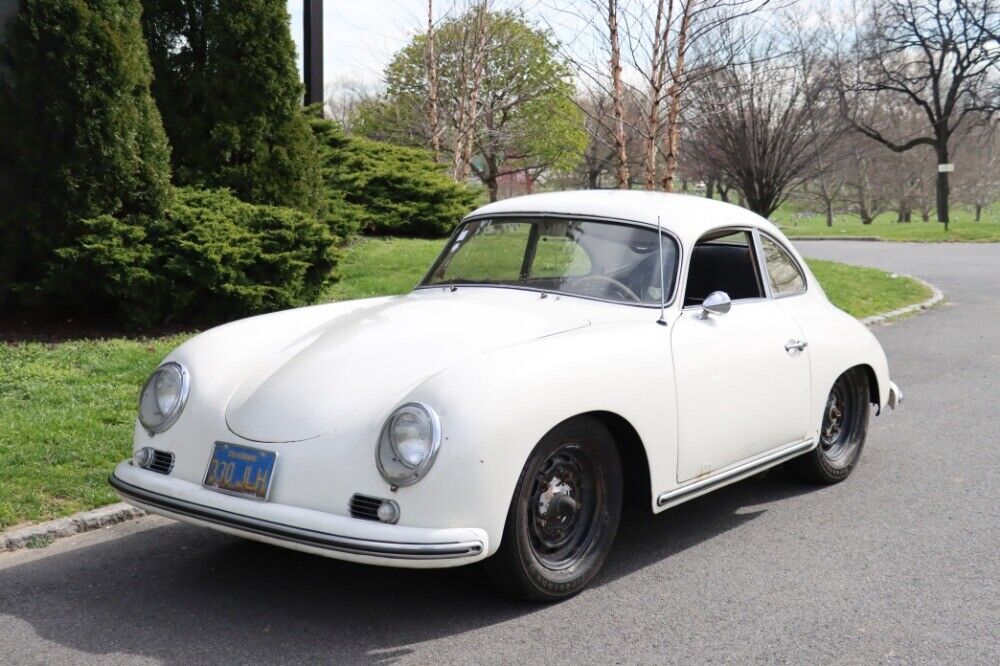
<point>899,564</point>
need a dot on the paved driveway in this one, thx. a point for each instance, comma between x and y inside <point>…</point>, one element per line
<point>898,564</point>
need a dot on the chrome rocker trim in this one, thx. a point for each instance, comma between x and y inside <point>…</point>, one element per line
<point>733,475</point>
<point>343,544</point>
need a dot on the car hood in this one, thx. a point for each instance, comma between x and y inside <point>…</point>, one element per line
<point>371,356</point>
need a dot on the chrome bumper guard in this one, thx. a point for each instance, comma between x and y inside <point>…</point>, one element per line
<point>895,395</point>
<point>343,544</point>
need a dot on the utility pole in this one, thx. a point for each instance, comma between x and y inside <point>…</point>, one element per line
<point>312,29</point>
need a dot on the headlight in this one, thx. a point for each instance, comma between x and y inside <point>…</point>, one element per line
<point>408,443</point>
<point>163,397</point>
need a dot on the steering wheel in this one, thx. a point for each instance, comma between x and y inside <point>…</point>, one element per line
<point>604,280</point>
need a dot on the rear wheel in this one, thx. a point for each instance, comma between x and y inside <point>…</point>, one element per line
<point>564,514</point>
<point>842,434</point>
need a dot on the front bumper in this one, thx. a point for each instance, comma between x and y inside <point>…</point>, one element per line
<point>339,537</point>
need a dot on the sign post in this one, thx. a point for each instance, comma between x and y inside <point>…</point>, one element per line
<point>312,29</point>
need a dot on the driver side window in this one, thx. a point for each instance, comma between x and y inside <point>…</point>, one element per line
<point>723,261</point>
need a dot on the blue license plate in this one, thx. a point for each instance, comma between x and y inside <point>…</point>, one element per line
<point>240,470</point>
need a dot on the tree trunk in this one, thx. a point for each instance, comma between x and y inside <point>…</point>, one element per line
<point>710,188</point>
<point>657,65</point>
<point>616,79</point>
<point>432,84</point>
<point>471,74</point>
<point>979,211</point>
<point>925,215</point>
<point>674,113</point>
<point>829,212</point>
<point>942,182</point>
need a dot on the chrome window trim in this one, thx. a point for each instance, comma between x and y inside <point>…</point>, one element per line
<point>795,262</point>
<point>559,216</point>
<point>760,266</point>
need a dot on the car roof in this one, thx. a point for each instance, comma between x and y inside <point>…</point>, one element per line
<point>687,216</point>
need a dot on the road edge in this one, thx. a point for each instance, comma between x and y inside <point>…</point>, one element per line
<point>42,534</point>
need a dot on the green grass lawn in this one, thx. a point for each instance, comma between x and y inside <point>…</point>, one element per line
<point>67,409</point>
<point>796,223</point>
<point>66,415</point>
<point>864,292</point>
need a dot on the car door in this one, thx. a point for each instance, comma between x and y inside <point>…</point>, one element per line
<point>742,380</point>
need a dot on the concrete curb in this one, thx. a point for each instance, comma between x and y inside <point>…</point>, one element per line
<point>44,533</point>
<point>886,317</point>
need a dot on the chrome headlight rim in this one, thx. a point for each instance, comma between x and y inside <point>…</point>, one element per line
<point>407,475</point>
<point>181,401</point>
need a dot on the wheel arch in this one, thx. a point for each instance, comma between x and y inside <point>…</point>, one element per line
<point>637,481</point>
<point>874,396</point>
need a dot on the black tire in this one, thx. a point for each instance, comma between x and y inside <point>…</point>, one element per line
<point>564,514</point>
<point>842,433</point>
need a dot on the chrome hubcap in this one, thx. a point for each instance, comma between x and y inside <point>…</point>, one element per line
<point>834,418</point>
<point>835,434</point>
<point>561,507</point>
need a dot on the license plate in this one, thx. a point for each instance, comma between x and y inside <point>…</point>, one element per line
<point>240,470</point>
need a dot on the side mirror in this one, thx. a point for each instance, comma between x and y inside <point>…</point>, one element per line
<point>717,303</point>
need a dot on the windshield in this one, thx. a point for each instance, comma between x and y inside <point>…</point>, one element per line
<point>604,260</point>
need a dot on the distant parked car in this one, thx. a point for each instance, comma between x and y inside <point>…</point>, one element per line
<point>562,350</point>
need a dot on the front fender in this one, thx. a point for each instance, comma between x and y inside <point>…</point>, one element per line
<point>495,408</point>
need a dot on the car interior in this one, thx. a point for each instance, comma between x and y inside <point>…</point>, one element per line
<point>723,262</point>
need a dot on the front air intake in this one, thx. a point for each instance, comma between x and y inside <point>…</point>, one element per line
<point>163,462</point>
<point>363,506</point>
<point>374,508</point>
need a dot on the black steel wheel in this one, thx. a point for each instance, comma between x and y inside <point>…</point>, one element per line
<point>564,514</point>
<point>842,433</point>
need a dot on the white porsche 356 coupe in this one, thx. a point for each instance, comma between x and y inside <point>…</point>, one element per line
<point>563,351</point>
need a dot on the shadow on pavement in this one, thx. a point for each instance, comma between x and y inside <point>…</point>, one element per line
<point>182,594</point>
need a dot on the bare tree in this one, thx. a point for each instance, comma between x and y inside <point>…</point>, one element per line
<point>600,154</point>
<point>433,120</point>
<point>473,55</point>
<point>645,60</point>
<point>677,80</point>
<point>617,98</point>
<point>761,124</point>
<point>870,187</point>
<point>343,98</point>
<point>942,56</point>
<point>978,178</point>
<point>656,79</point>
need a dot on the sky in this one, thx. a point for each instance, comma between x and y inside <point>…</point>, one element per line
<point>360,36</point>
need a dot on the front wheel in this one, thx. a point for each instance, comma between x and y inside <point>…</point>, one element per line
<point>564,514</point>
<point>842,434</point>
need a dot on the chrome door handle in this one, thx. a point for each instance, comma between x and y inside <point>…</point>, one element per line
<point>798,345</point>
